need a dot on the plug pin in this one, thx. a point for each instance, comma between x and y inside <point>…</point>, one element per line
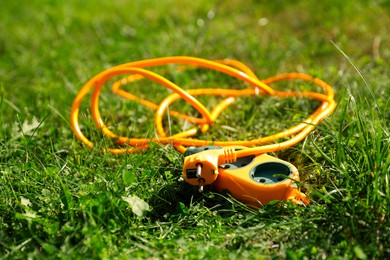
<point>198,170</point>
<point>201,184</point>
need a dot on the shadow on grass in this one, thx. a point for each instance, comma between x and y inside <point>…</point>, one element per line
<point>179,197</point>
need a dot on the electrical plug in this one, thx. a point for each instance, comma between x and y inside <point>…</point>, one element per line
<point>201,165</point>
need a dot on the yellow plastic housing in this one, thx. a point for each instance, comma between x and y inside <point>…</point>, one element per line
<point>253,180</point>
<point>264,179</point>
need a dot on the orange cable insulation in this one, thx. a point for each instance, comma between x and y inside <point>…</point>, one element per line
<point>137,71</point>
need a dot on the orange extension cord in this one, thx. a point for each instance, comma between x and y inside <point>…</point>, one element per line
<point>136,71</point>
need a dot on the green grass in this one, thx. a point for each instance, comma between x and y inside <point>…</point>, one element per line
<point>59,199</point>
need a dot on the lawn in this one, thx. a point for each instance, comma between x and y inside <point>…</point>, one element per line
<point>61,199</point>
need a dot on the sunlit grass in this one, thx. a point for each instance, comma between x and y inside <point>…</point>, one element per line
<point>59,199</point>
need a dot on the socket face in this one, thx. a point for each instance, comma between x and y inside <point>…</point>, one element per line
<point>241,162</point>
<point>270,172</point>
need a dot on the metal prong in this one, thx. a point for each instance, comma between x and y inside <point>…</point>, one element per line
<point>201,185</point>
<point>198,170</point>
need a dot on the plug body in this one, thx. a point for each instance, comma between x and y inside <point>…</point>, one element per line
<point>201,165</point>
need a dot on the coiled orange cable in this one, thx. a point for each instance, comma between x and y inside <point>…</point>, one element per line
<point>137,70</point>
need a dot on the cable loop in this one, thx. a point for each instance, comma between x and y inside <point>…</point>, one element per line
<point>137,70</point>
